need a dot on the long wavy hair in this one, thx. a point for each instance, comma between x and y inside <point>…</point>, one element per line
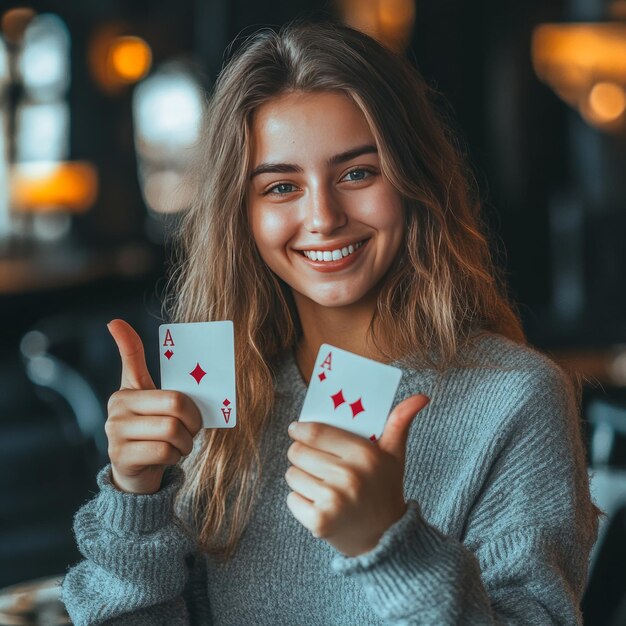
<point>441,289</point>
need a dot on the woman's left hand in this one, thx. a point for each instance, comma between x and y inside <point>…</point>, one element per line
<point>347,490</point>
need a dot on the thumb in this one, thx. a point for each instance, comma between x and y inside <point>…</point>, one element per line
<point>135,373</point>
<point>396,432</point>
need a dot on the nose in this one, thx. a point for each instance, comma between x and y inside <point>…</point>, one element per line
<point>324,213</point>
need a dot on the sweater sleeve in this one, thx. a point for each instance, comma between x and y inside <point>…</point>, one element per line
<point>141,566</point>
<point>524,555</point>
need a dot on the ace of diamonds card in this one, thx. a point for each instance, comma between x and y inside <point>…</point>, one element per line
<point>351,392</point>
<point>198,359</point>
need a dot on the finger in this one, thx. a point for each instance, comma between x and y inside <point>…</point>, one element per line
<point>395,435</point>
<point>135,456</point>
<point>135,373</point>
<point>303,510</point>
<point>330,439</point>
<point>167,429</point>
<point>321,465</point>
<point>161,402</point>
<point>306,485</point>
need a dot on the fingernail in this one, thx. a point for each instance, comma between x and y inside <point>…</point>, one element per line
<point>292,426</point>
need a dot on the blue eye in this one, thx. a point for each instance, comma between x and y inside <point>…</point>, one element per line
<point>359,170</point>
<point>271,189</point>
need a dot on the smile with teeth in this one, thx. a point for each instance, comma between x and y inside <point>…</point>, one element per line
<point>332,255</point>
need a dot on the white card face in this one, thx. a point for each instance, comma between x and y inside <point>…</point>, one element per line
<point>351,392</point>
<point>198,359</point>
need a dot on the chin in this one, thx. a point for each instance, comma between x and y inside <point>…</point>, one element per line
<point>334,301</point>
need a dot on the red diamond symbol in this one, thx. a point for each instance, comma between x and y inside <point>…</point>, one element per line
<point>357,407</point>
<point>373,438</point>
<point>322,376</point>
<point>338,398</point>
<point>169,354</point>
<point>198,373</point>
<point>226,402</point>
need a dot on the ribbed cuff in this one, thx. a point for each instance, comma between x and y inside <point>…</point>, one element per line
<point>410,529</point>
<point>139,513</point>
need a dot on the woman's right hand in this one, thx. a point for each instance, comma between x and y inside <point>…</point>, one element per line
<point>147,428</point>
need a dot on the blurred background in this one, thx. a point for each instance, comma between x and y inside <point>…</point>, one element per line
<point>99,103</point>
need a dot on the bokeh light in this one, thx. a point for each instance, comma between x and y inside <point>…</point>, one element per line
<point>14,23</point>
<point>116,58</point>
<point>585,65</point>
<point>167,108</point>
<point>607,102</point>
<point>52,186</point>
<point>395,14</point>
<point>130,58</point>
<point>389,21</point>
<point>42,131</point>
<point>167,112</point>
<point>575,54</point>
<point>44,62</point>
<point>165,192</point>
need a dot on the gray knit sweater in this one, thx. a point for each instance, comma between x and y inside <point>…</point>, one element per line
<point>498,529</point>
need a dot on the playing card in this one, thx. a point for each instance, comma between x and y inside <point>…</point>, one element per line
<point>198,359</point>
<point>351,392</point>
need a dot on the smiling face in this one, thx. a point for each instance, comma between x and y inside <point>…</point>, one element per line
<point>317,185</point>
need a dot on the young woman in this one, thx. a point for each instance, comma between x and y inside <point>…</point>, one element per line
<point>334,206</point>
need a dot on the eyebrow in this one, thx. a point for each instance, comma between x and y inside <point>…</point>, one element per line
<point>286,168</point>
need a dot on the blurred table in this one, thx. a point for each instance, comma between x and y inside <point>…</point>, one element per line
<point>53,267</point>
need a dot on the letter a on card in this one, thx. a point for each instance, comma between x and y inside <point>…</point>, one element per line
<point>326,366</point>
<point>168,341</point>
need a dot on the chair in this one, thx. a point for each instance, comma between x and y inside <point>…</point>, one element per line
<point>604,602</point>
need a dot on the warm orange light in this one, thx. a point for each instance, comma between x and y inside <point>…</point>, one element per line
<point>584,64</point>
<point>117,59</point>
<point>393,14</point>
<point>389,21</point>
<point>68,186</point>
<point>130,58</point>
<point>571,56</point>
<point>607,102</point>
<point>361,14</point>
<point>15,21</point>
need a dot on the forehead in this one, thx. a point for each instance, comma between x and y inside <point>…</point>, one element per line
<point>299,125</point>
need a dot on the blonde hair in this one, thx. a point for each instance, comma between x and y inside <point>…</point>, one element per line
<point>441,289</point>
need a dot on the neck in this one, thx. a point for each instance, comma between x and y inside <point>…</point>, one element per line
<point>343,327</point>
